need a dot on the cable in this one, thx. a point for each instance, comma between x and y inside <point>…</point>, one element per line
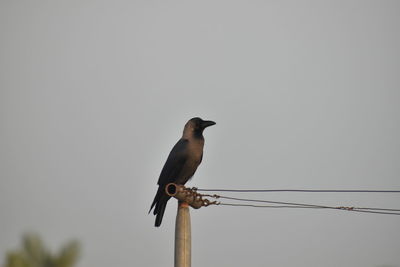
<point>297,190</point>
<point>364,210</point>
<point>272,202</point>
<point>259,206</point>
<point>378,209</point>
<point>281,204</point>
<point>303,205</point>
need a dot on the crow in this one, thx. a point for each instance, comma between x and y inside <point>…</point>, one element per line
<point>181,163</point>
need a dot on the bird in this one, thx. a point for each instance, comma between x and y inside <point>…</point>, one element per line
<point>181,164</point>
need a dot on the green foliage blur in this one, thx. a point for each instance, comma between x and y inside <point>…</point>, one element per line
<point>34,254</point>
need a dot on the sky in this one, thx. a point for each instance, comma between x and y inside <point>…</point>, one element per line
<point>305,94</point>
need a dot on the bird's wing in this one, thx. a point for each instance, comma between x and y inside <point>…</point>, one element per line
<point>175,162</point>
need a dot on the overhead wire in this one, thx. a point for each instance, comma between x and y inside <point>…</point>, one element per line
<point>281,204</point>
<point>297,190</point>
<point>363,210</point>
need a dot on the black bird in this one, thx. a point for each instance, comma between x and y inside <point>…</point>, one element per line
<point>181,164</point>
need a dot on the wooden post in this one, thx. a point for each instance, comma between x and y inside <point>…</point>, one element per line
<point>183,237</point>
<point>183,242</point>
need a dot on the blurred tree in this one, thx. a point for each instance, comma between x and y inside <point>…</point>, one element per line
<point>34,254</point>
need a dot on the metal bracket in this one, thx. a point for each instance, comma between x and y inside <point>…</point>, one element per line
<point>188,195</point>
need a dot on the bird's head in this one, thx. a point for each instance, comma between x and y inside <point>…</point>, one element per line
<point>196,126</point>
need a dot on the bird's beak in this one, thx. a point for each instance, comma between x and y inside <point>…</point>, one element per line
<point>205,124</point>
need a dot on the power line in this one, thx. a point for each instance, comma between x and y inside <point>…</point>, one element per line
<point>281,204</point>
<point>271,202</point>
<point>259,206</point>
<point>297,190</point>
<point>378,209</point>
<point>364,210</point>
<point>190,195</point>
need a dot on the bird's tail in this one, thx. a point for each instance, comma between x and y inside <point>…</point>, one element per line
<point>160,202</point>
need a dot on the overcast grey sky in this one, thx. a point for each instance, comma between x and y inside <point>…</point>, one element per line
<point>94,94</point>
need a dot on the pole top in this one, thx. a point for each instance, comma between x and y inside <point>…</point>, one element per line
<point>187,196</point>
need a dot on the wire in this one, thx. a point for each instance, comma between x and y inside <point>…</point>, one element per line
<point>378,209</point>
<point>364,210</point>
<point>281,204</point>
<point>297,190</point>
<point>259,206</point>
<point>272,202</point>
<point>303,205</point>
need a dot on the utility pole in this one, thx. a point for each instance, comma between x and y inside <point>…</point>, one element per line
<point>183,236</point>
